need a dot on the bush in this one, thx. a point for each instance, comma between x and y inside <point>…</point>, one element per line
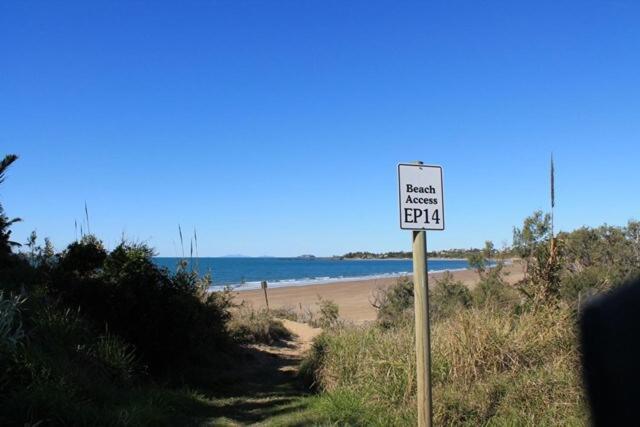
<point>287,312</point>
<point>251,326</point>
<point>393,303</point>
<point>328,314</point>
<point>493,291</point>
<point>448,296</point>
<point>581,285</point>
<point>62,368</point>
<point>170,319</point>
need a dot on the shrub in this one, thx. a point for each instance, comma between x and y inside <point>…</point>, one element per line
<point>393,303</point>
<point>583,284</point>
<point>492,290</point>
<point>477,261</point>
<point>251,326</point>
<point>62,368</point>
<point>84,256</point>
<point>286,312</point>
<point>448,295</point>
<point>169,319</point>
<point>328,314</point>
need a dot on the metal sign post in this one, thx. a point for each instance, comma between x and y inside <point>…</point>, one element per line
<point>421,209</point>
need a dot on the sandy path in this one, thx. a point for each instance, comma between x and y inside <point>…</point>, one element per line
<point>353,297</point>
<point>304,334</point>
<point>291,351</point>
<point>265,386</point>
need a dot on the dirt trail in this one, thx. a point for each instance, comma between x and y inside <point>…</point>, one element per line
<point>291,351</point>
<point>265,385</point>
<point>304,333</point>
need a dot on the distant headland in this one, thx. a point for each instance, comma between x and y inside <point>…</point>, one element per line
<point>447,253</point>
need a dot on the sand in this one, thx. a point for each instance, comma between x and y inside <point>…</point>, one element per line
<point>353,297</point>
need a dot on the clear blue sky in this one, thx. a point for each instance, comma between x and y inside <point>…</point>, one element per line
<point>275,127</point>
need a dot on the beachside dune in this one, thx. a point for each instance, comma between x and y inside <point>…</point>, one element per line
<point>351,296</point>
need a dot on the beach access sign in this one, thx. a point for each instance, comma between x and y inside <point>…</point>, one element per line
<point>421,201</point>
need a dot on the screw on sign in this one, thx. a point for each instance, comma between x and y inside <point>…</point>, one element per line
<point>421,202</point>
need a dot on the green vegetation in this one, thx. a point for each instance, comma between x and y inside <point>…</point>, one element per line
<point>502,354</point>
<point>328,314</point>
<point>90,336</point>
<point>87,335</point>
<point>372,255</point>
<point>446,253</point>
<point>96,337</point>
<point>256,326</point>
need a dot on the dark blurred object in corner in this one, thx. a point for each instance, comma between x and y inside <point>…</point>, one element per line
<point>610,329</point>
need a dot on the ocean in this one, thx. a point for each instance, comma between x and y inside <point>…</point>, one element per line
<point>247,273</point>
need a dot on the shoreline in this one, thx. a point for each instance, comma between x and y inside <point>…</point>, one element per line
<point>393,259</point>
<point>276,284</point>
<point>295,283</point>
<point>352,296</point>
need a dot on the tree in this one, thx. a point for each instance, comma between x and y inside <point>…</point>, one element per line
<point>632,232</point>
<point>489,249</point>
<point>536,230</point>
<point>6,244</point>
<point>542,261</point>
<point>477,262</point>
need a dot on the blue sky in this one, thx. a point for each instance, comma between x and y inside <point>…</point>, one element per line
<point>275,127</point>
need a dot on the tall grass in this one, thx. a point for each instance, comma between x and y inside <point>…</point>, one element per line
<point>11,328</point>
<point>489,367</point>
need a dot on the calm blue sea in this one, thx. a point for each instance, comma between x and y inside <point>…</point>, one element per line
<point>247,273</point>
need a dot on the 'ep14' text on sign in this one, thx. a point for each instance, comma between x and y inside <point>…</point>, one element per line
<point>421,202</point>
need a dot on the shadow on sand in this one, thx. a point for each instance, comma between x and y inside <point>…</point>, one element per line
<point>264,385</point>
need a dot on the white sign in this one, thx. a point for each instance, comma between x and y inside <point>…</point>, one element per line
<point>421,202</point>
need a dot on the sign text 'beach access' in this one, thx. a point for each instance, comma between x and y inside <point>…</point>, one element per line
<point>421,202</point>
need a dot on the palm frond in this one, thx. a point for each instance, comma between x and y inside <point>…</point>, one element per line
<point>12,221</point>
<point>5,163</point>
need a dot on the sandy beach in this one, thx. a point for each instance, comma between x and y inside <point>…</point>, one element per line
<point>351,296</point>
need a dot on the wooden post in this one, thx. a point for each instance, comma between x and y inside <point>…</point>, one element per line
<point>264,288</point>
<point>423,345</point>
